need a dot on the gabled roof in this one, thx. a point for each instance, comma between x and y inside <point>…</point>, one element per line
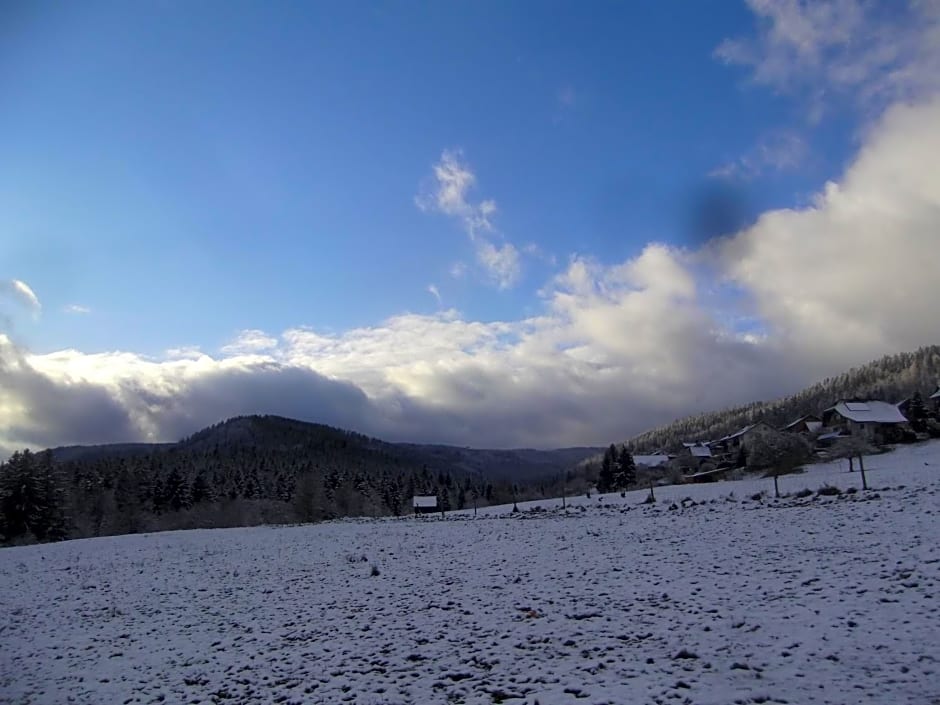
<point>936,394</point>
<point>808,418</point>
<point>737,433</point>
<point>869,412</point>
<point>700,451</point>
<point>740,432</point>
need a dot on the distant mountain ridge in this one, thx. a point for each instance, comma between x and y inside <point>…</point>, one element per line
<point>284,434</point>
<point>891,378</point>
<point>267,469</point>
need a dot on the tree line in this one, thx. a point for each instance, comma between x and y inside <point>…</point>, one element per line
<point>247,471</point>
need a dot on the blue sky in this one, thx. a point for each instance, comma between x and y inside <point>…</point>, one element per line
<point>187,171</point>
<point>222,177</point>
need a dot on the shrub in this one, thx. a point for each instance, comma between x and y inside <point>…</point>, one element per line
<point>803,493</point>
<point>828,491</point>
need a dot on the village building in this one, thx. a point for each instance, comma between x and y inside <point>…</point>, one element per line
<point>805,424</point>
<point>727,449</point>
<point>424,504</point>
<point>935,399</point>
<point>875,421</point>
<point>693,455</point>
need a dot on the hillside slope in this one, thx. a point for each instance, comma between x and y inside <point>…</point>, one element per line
<point>891,378</point>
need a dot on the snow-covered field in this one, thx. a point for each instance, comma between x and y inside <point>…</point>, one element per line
<point>829,599</point>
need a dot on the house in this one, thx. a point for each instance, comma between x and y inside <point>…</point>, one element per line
<point>805,424</point>
<point>693,455</point>
<point>726,450</point>
<point>424,504</point>
<point>875,421</point>
<point>935,399</point>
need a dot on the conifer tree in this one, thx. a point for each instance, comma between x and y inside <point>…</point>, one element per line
<point>626,470</point>
<point>605,479</point>
<point>917,413</point>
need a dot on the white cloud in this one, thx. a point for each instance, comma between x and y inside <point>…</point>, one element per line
<point>77,309</point>
<point>250,342</point>
<point>433,291</point>
<point>502,263</point>
<point>851,275</point>
<point>20,292</point>
<point>186,352</point>
<point>447,193</point>
<point>780,150</point>
<point>875,53</point>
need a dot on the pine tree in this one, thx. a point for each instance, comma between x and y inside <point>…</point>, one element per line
<point>626,470</point>
<point>49,522</point>
<point>128,501</point>
<point>917,413</point>
<point>605,479</point>
<point>19,496</point>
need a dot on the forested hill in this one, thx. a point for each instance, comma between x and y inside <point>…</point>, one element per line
<point>256,469</point>
<point>892,378</point>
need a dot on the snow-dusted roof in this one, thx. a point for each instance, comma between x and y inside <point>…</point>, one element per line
<point>700,451</point>
<point>738,433</point>
<point>936,394</point>
<point>425,501</point>
<point>830,436</point>
<point>869,412</point>
<point>707,473</point>
<point>806,417</point>
<point>693,444</point>
<point>651,461</point>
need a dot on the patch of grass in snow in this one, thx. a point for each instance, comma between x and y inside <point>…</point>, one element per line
<point>828,491</point>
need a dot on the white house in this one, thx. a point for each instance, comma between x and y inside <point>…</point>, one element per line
<point>875,421</point>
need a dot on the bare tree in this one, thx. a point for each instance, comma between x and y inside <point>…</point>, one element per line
<point>853,447</point>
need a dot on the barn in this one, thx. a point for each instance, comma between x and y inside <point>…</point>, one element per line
<point>424,504</point>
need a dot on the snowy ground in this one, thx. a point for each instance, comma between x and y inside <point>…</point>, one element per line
<point>813,600</point>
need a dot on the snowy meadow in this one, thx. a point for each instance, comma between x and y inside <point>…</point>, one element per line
<point>712,595</point>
